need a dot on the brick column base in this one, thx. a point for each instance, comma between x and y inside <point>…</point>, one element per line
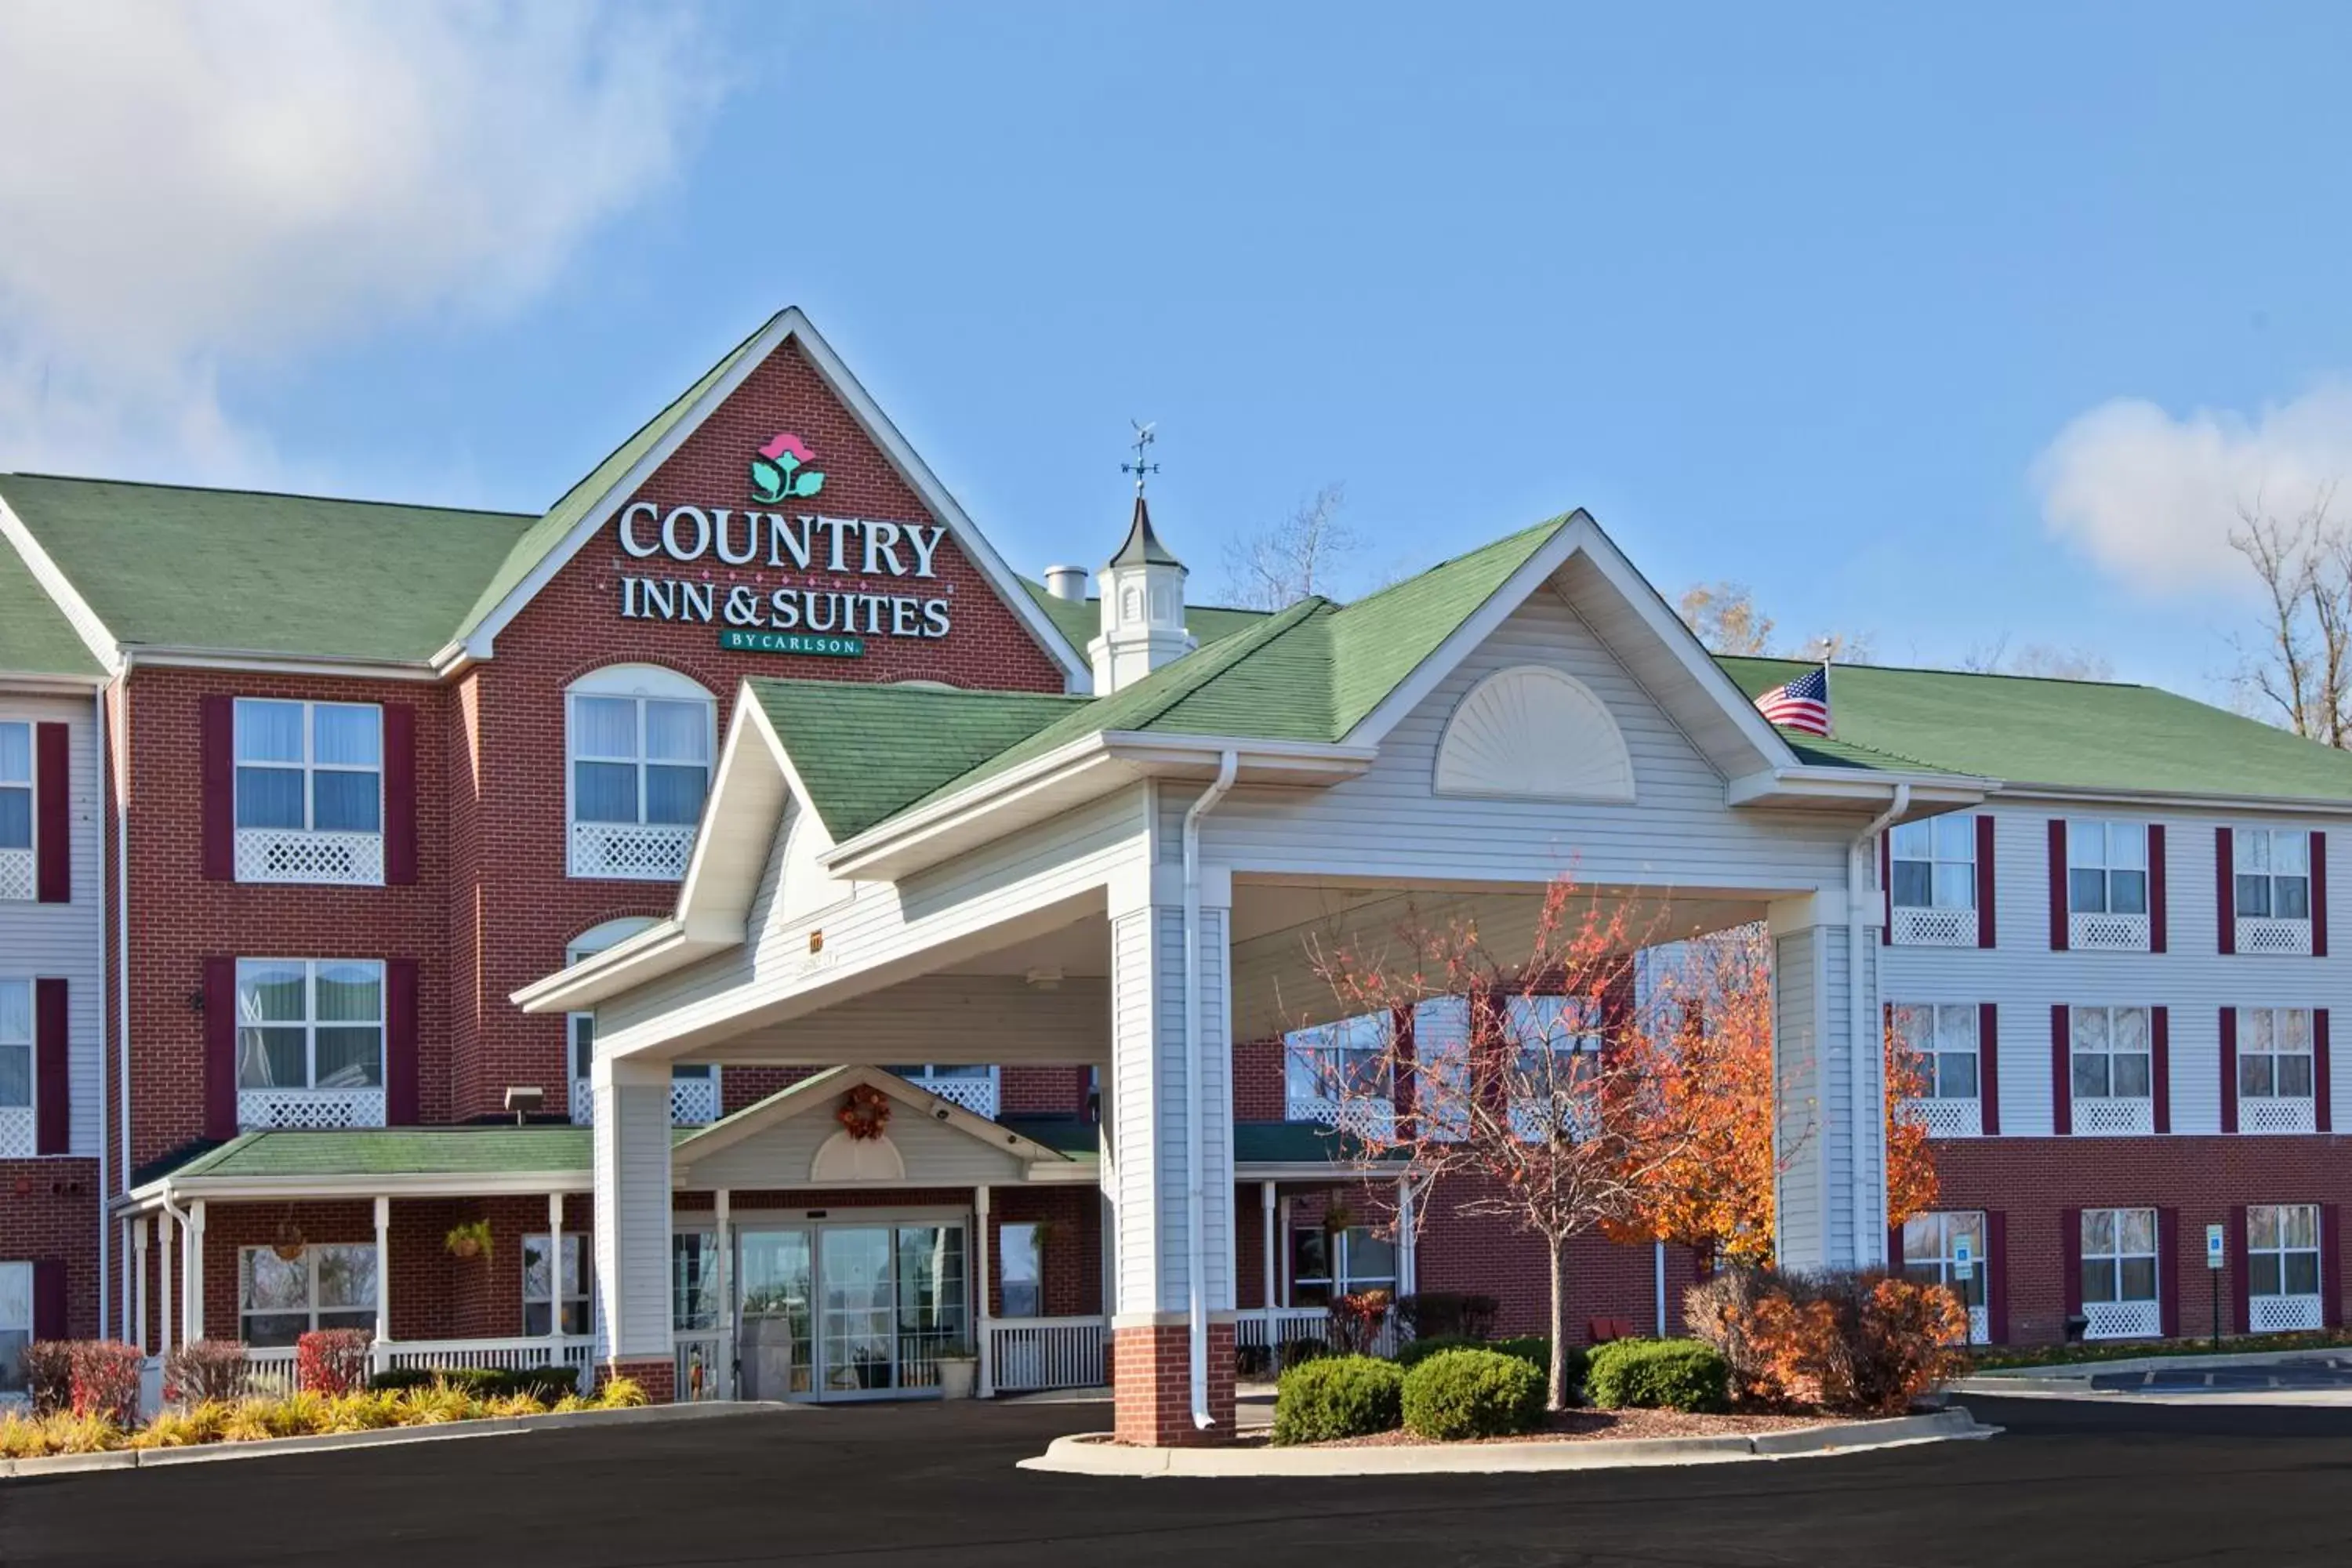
<point>1151,1385</point>
<point>657,1378</point>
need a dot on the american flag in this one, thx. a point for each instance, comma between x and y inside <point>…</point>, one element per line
<point>1802,704</point>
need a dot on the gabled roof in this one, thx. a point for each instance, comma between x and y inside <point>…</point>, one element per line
<point>2094,736</point>
<point>35,638</point>
<point>819,1089</point>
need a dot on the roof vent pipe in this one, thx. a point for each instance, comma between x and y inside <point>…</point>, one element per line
<point>1066,583</point>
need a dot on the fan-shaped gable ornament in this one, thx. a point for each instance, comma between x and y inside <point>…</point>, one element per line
<point>1533,732</point>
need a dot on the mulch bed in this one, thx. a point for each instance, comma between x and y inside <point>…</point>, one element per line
<point>1585,1425</point>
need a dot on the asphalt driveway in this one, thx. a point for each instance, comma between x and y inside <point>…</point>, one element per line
<point>2073,1483</point>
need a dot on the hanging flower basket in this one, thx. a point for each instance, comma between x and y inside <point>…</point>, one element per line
<point>289,1243</point>
<point>864,1111</point>
<point>470,1240</point>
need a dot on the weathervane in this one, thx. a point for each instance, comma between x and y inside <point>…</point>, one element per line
<point>1143,439</point>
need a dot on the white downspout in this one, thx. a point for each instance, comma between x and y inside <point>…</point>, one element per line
<point>1196,1252</point>
<point>1857,892</point>
<point>120,766</point>
<point>108,1309</point>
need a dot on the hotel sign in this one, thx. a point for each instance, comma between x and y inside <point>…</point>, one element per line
<point>843,578</point>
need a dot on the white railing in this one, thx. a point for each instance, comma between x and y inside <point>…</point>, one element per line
<point>702,1372</point>
<point>1288,1324</point>
<point>521,1352</point>
<point>2123,1321</point>
<point>20,1132</point>
<point>2276,1114</point>
<point>296,855</point>
<point>1946,1118</point>
<point>2113,1117</point>
<point>1030,1354</point>
<point>269,1372</point>
<point>1365,1118</point>
<point>693,1101</point>
<point>17,875</point>
<point>644,852</point>
<point>976,1095</point>
<point>2113,934</point>
<point>1934,928</point>
<point>2267,935</point>
<point>261,1109</point>
<point>2282,1314</point>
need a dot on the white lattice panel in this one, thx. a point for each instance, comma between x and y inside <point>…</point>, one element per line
<point>1979,1325</point>
<point>16,874</point>
<point>1935,928</point>
<point>291,854</point>
<point>19,1137</point>
<point>649,852</point>
<point>2258,933</point>
<point>584,1103</point>
<point>976,1095</point>
<point>296,1109</point>
<point>1946,1118</point>
<point>2123,1321</point>
<point>2113,1118</point>
<point>2112,934</point>
<point>2267,1115</point>
<point>2282,1314</point>
<point>693,1101</point>
<point>1365,1118</point>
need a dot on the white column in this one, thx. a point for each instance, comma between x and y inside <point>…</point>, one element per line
<point>1282,1249</point>
<point>1268,1285</point>
<point>138,1281</point>
<point>723,1202</point>
<point>632,1141</point>
<point>164,1283</point>
<point>195,1280</point>
<point>1408,1239</point>
<point>383,1280</point>
<point>1828,1123</point>
<point>555,1273</point>
<point>980,1252</point>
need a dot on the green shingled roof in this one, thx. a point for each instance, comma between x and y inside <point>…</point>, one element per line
<point>398,1151</point>
<point>1080,619</point>
<point>35,638</point>
<point>2075,734</point>
<point>165,566</point>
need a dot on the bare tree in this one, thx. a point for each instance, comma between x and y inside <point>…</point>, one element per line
<point>1833,647</point>
<point>2048,660</point>
<point>1299,556</point>
<point>2296,672</point>
<point>1725,617</point>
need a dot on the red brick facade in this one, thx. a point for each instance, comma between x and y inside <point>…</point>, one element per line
<point>1152,1385</point>
<point>47,1214</point>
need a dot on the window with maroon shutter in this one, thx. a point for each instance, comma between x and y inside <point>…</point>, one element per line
<point>18,873</point>
<point>309,787</point>
<point>2159,1067</point>
<point>51,1076</point>
<point>2282,1261</point>
<point>1927,1248</point>
<point>49,1318</point>
<point>2158,907</point>
<point>2121,1271</point>
<point>1989,1067</point>
<point>53,799</point>
<point>2225,892</point>
<point>2058,925</point>
<point>2062,1081</point>
<point>2271,1064</point>
<point>2229,1070</point>
<point>2277,887</point>
<point>1933,882</point>
<point>18,1134</point>
<point>1996,1268</point>
<point>217,746</point>
<point>2109,885</point>
<point>399,794</point>
<point>400,1078</point>
<point>220,1048</point>
<point>1985,926</point>
<point>2322,1079</point>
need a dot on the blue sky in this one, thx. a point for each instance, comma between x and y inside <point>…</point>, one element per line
<point>1794,297</point>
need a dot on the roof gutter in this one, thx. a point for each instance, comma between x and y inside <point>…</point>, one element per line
<point>1196,1250</point>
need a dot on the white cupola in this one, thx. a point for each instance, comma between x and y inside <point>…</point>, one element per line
<point>1142,609</point>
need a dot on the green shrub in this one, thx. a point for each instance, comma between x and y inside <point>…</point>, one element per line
<point>1658,1374</point>
<point>1536,1349</point>
<point>1413,1353</point>
<point>1337,1396</point>
<point>1462,1393</point>
<point>546,1384</point>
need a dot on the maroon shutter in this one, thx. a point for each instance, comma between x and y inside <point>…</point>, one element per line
<point>2070,1258</point>
<point>53,795</point>
<point>2062,1074</point>
<point>220,1048</point>
<point>399,794</point>
<point>1984,882</point>
<point>1895,1250</point>
<point>1989,1067</point>
<point>2331,1271</point>
<point>2319,895</point>
<point>2159,1066</point>
<point>400,1089</point>
<point>2225,891</point>
<point>2230,1069</point>
<point>2167,1272</point>
<point>50,1299</point>
<point>2057,884</point>
<point>218,744</point>
<point>53,1094</point>
<point>2241,1306</point>
<point>2322,1095</point>
<point>1885,886</point>
<point>2155,923</point>
<point>1996,1268</point>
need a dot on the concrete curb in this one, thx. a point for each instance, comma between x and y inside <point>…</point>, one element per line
<point>329,1442</point>
<point>2076,1370</point>
<point>1087,1454</point>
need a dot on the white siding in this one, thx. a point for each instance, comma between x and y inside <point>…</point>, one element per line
<point>935,1154</point>
<point>632,1168</point>
<point>63,940</point>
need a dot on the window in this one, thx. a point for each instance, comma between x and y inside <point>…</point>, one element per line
<point>1554,1037</point>
<point>2273,873</point>
<point>2118,1257</point>
<point>536,1291</point>
<point>280,1300</point>
<point>16,1045</point>
<point>1336,1062</point>
<point>2106,868</point>
<point>1940,1041</point>
<point>2273,1053</point>
<point>1327,1264</point>
<point>693,1280</point>
<point>1931,1246</point>
<point>16,1327</point>
<point>1934,864</point>
<point>15,786</point>
<point>309,766</point>
<point>2283,1249</point>
<point>315,1024</point>
<point>639,746</point>
<point>1021,1249</point>
<point>2110,1046</point>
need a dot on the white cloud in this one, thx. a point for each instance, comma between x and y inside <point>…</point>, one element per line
<point>185,188</point>
<point>2153,499</point>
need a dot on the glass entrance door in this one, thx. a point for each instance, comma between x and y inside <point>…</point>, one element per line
<point>849,1311</point>
<point>774,1346</point>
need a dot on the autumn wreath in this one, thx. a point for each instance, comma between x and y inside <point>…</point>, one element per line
<point>864,1110</point>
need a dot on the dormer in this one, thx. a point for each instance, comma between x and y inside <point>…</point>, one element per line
<point>1142,609</point>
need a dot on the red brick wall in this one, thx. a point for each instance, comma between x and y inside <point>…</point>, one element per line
<point>424,1277</point>
<point>1258,1083</point>
<point>1074,1259</point>
<point>49,1209</point>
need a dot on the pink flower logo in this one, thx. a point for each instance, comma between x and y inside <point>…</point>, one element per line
<point>787,442</point>
<point>777,472</point>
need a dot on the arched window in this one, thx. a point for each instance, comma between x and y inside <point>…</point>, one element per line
<point>638,745</point>
<point>694,1086</point>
